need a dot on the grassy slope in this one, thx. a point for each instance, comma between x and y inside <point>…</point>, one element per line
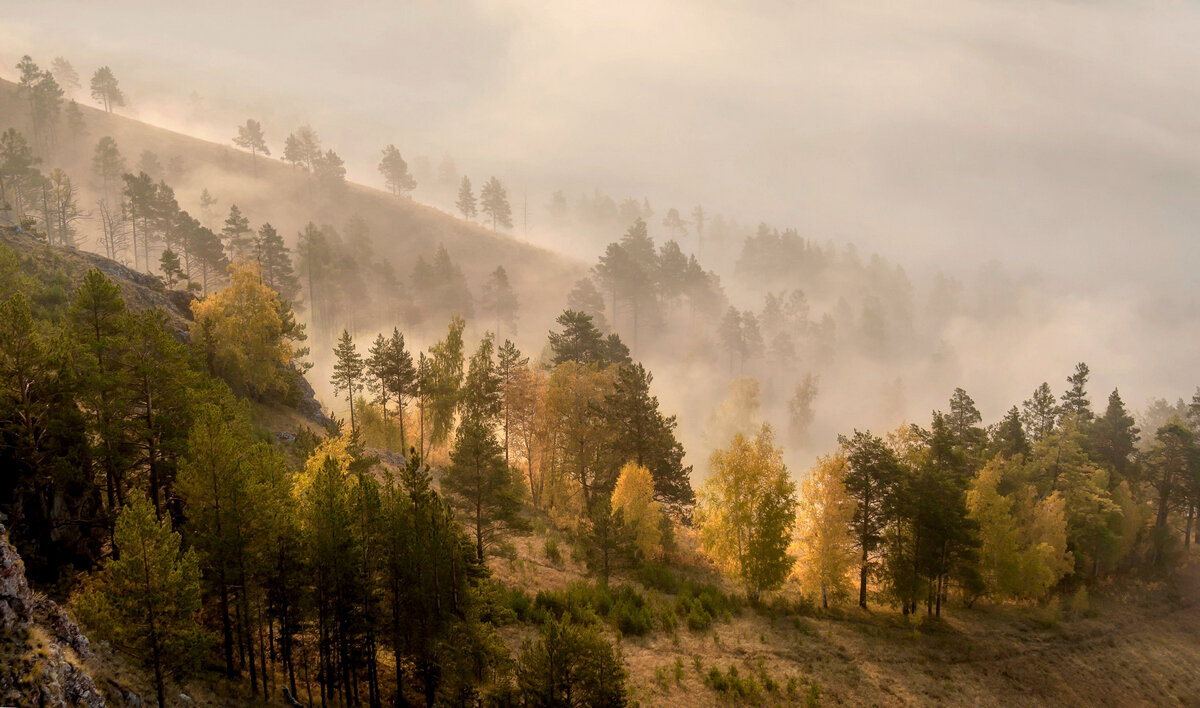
<point>1140,646</point>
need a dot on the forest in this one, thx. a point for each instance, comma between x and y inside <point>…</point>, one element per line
<point>487,510</point>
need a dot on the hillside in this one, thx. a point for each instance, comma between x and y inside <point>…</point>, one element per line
<point>267,190</point>
<point>1134,645</point>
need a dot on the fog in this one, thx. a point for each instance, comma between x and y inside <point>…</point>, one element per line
<point>1052,142</point>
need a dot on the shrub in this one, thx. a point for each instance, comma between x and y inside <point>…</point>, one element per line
<point>697,619</point>
<point>552,553</point>
<point>630,612</point>
<point>519,603</point>
<point>744,688</point>
<point>571,665</point>
<point>659,577</point>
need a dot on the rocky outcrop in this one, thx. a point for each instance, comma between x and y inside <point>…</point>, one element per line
<point>40,645</point>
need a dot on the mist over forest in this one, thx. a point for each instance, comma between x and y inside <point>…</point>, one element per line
<point>636,322</point>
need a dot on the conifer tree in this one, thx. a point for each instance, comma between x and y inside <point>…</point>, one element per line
<point>509,366</point>
<point>585,298</point>
<point>482,396</point>
<point>105,89</point>
<point>235,231</point>
<point>147,602</point>
<point>640,433</point>
<point>275,263</point>
<point>1075,401</point>
<point>1009,437</point>
<point>99,320</point>
<point>871,471</point>
<point>466,199</point>
<point>395,172</point>
<point>493,202</point>
<point>1113,439</point>
<point>65,74</point>
<point>250,137</point>
<point>347,370</point>
<point>1040,413</point>
<point>498,300</point>
<point>481,485</point>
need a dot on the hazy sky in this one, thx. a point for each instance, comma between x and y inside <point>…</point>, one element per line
<point>1066,134</point>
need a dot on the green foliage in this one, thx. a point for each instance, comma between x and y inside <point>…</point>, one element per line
<point>747,510</point>
<point>571,664</point>
<point>147,601</point>
<point>479,484</point>
<point>551,551</point>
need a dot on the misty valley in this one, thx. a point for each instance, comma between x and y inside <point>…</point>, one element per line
<point>307,417</point>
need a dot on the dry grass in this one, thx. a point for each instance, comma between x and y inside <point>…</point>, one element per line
<point>1139,646</point>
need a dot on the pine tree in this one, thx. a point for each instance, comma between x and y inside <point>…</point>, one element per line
<point>1113,440</point>
<point>275,262</point>
<point>147,602</point>
<point>481,485</point>
<point>235,231</point>
<point>585,298</point>
<point>493,201</point>
<point>731,335</point>
<point>101,325</point>
<point>571,664</point>
<point>170,266</point>
<point>395,172</point>
<point>1009,439</point>
<point>224,506</point>
<point>347,371</point>
<point>498,300</point>
<point>105,89</point>
<point>250,137</point>
<point>1040,413</point>
<point>640,433</point>
<point>509,368</point>
<point>466,199</point>
<point>65,74</point>
<point>1075,401</point>
<point>481,396</point>
<point>871,471</point>
<point>746,512</point>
